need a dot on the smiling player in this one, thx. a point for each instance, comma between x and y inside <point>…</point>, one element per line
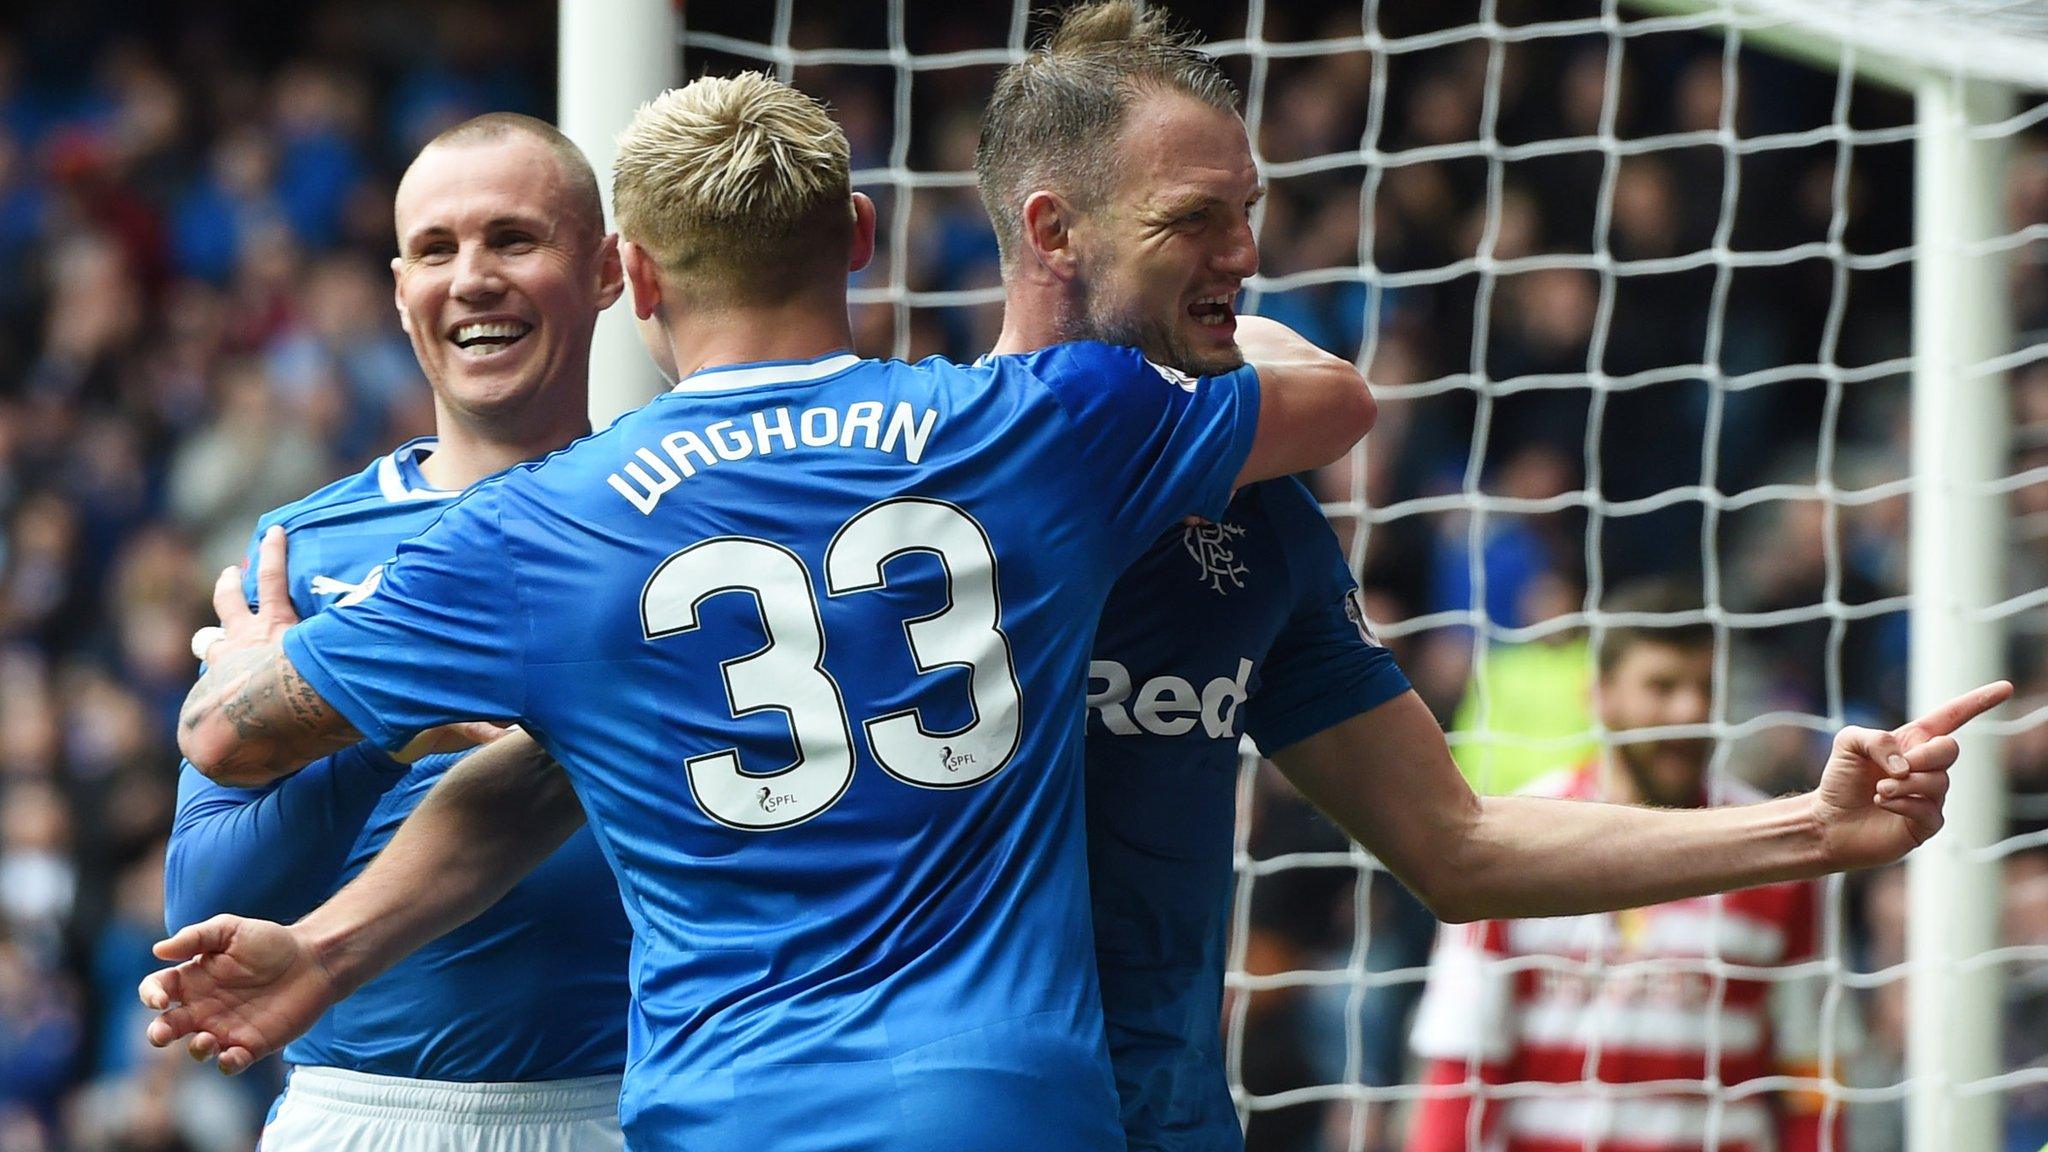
<point>502,267</point>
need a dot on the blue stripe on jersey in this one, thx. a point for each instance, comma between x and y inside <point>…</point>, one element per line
<point>533,989</point>
<point>1240,626</point>
<point>810,649</point>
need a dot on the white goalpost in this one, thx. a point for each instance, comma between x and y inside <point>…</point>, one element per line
<point>1960,423</point>
<point>1974,72</point>
<point>613,56</point>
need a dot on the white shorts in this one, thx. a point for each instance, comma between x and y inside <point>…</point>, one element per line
<point>333,1110</point>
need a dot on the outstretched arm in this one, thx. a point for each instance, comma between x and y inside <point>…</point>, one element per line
<point>492,819</point>
<point>252,718</point>
<point>277,851</point>
<point>245,988</point>
<point>1386,777</point>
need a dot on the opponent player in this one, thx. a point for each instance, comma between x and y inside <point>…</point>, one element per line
<point>806,636</point>
<point>1634,997</point>
<point>1253,623</point>
<point>503,265</point>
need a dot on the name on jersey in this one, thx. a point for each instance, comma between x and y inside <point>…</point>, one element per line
<point>651,474</point>
<point>1166,705</point>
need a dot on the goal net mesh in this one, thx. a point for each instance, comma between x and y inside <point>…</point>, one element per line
<point>1634,295</point>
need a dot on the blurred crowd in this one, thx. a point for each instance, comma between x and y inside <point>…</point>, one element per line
<point>195,327</point>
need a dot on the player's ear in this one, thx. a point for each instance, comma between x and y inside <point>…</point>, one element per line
<point>611,273</point>
<point>1048,227</point>
<point>643,272</point>
<point>863,233</point>
<point>398,296</point>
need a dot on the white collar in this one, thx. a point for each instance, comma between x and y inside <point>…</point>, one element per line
<point>722,379</point>
<point>391,477</point>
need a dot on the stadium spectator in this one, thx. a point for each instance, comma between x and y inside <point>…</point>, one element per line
<point>1631,997</point>
<point>252,457</point>
<point>38,879</point>
<point>221,217</point>
<point>39,1039</point>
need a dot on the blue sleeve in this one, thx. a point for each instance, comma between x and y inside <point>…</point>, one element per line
<point>274,852</point>
<point>1159,445</point>
<point>441,639</point>
<point>1324,667</point>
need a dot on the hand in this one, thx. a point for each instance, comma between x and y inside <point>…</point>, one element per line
<point>1881,793</point>
<point>457,737</point>
<point>245,989</point>
<point>241,629</point>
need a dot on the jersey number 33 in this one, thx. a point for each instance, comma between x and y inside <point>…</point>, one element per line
<point>788,674</point>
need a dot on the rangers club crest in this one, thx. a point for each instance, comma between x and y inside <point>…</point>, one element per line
<point>1214,548</point>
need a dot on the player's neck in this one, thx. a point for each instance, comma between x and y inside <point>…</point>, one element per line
<point>1034,317</point>
<point>800,330</point>
<point>464,454</point>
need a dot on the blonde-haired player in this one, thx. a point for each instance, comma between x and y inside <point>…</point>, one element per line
<point>807,637</point>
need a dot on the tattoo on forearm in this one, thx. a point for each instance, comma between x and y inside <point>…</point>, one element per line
<point>216,689</point>
<point>278,720</point>
<point>307,708</point>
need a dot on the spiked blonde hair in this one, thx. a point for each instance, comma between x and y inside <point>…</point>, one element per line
<point>740,184</point>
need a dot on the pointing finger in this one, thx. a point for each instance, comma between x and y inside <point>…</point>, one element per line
<point>1948,717</point>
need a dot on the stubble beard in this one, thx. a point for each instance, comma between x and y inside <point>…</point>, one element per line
<point>1103,320</point>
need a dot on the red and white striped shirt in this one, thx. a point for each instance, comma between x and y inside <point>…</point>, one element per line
<point>1625,1031</point>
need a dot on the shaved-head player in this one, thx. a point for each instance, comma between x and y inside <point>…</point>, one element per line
<point>503,265</point>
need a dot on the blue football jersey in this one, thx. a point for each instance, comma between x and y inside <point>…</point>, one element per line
<point>501,998</point>
<point>810,640</point>
<point>1252,625</point>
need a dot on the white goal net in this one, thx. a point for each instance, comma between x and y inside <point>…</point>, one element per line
<point>1634,286</point>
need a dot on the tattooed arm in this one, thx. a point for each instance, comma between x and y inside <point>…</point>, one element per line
<point>252,718</point>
